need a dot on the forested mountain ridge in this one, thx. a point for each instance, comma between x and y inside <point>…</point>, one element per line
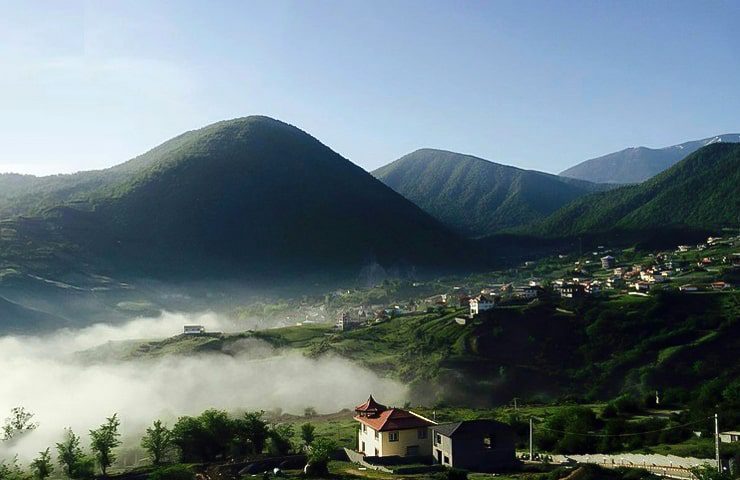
<point>478,197</point>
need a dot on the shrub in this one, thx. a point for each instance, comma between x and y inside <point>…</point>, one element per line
<point>173,472</point>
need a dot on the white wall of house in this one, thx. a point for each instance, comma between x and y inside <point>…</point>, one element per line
<point>476,306</point>
<point>442,450</point>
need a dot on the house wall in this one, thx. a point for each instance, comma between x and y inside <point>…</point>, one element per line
<point>442,449</point>
<point>406,438</point>
<point>371,443</point>
<point>383,447</point>
<point>468,451</point>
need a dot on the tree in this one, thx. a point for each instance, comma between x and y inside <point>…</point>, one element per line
<point>11,471</point>
<point>20,421</point>
<point>707,472</point>
<point>104,440</point>
<point>42,466</point>
<point>205,437</point>
<point>319,454</point>
<point>158,442</point>
<point>280,439</point>
<point>307,433</point>
<point>69,453</point>
<point>252,432</point>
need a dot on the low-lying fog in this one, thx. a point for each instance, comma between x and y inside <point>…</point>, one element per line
<point>45,376</point>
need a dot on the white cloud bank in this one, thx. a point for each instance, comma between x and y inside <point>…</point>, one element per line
<point>42,374</point>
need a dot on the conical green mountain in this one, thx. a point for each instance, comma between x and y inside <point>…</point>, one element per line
<point>241,196</point>
<point>699,192</point>
<point>477,197</point>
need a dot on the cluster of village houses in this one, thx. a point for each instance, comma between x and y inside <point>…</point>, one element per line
<point>634,279</point>
<point>394,433</point>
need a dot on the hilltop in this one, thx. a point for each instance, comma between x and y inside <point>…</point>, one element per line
<point>700,192</point>
<point>637,164</point>
<point>478,197</point>
<point>241,197</point>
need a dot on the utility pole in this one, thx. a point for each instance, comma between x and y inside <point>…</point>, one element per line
<point>531,443</point>
<point>716,442</point>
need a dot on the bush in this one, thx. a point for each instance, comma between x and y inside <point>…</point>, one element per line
<point>452,474</point>
<point>173,472</point>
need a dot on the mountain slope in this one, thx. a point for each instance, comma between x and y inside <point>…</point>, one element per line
<point>477,197</point>
<point>701,191</point>
<point>246,196</point>
<point>637,164</point>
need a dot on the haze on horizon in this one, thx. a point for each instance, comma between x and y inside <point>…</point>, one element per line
<point>540,85</point>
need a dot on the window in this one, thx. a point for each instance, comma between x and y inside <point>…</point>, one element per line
<point>447,460</point>
<point>364,427</point>
<point>392,436</point>
<point>377,435</point>
<point>421,433</point>
<point>437,439</point>
<point>488,441</point>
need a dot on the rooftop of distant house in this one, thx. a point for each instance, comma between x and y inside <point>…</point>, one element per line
<point>381,418</point>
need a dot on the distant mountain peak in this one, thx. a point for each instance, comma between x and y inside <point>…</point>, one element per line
<point>637,164</point>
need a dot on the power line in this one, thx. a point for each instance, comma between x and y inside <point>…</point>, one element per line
<point>624,434</point>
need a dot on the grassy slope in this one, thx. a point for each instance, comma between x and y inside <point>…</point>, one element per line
<point>535,352</point>
<point>475,196</point>
<point>699,192</point>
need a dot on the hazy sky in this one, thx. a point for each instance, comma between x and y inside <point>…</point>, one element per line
<point>539,85</point>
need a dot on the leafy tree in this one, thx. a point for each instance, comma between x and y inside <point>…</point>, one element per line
<point>20,421</point>
<point>307,433</point>
<point>565,431</point>
<point>252,432</point>
<point>158,442</point>
<point>104,440</point>
<point>69,453</point>
<point>280,439</point>
<point>42,466</point>
<point>319,454</point>
<point>309,412</point>
<point>11,471</point>
<point>206,437</point>
<point>706,472</point>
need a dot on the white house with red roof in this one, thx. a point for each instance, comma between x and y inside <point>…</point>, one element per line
<point>388,432</point>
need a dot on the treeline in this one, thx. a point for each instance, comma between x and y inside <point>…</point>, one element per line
<point>624,423</point>
<point>212,436</point>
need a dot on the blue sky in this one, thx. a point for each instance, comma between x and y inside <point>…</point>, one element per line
<point>540,85</point>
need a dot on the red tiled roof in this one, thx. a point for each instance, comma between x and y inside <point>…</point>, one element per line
<point>394,419</point>
<point>371,406</point>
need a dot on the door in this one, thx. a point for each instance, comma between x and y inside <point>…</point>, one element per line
<point>439,457</point>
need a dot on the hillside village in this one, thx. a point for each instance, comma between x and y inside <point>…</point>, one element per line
<point>713,265</point>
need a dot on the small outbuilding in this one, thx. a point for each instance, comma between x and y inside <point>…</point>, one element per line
<point>730,437</point>
<point>193,329</point>
<point>475,445</point>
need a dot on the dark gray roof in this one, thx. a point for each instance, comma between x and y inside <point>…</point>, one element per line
<point>469,426</point>
<point>447,429</point>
